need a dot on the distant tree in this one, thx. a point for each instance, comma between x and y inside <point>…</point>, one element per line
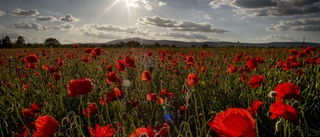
<point>104,45</point>
<point>6,42</point>
<point>20,41</point>
<point>173,46</point>
<point>156,44</point>
<point>52,42</point>
<point>205,45</point>
<point>133,43</point>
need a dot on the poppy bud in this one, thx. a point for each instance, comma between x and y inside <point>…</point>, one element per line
<point>272,94</point>
<point>126,83</point>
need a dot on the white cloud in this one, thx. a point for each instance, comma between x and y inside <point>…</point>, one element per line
<point>162,3</point>
<point>148,6</point>
<point>207,16</point>
<point>30,25</point>
<point>180,25</point>
<point>110,28</point>
<point>69,18</point>
<point>63,27</point>
<point>2,13</point>
<point>18,11</point>
<point>46,18</point>
<point>303,24</point>
<point>101,35</point>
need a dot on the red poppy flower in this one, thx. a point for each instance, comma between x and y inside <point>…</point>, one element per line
<point>31,66</point>
<point>256,105</point>
<point>26,129</point>
<point>294,52</point>
<point>183,109</point>
<point>31,112</point>
<point>46,126</point>
<point>152,97</point>
<point>234,122</point>
<point>162,129</point>
<point>256,81</point>
<point>292,59</point>
<point>238,57</point>
<point>133,103</point>
<point>85,59</point>
<point>251,64</point>
<point>149,53</point>
<point>287,91</point>
<point>232,69</point>
<point>146,76</point>
<point>112,77</point>
<point>143,131</point>
<point>189,59</point>
<point>203,69</point>
<point>170,95</point>
<point>164,92</point>
<point>244,77</point>
<point>105,131</point>
<point>109,68</point>
<point>88,50</point>
<point>120,64</point>
<point>57,76</point>
<point>96,52</point>
<point>79,87</point>
<point>90,110</point>
<point>32,58</point>
<point>115,94</point>
<point>76,45</point>
<point>299,72</point>
<point>129,61</point>
<point>60,62</point>
<point>192,79</point>
<point>18,69</point>
<point>301,54</point>
<point>284,110</point>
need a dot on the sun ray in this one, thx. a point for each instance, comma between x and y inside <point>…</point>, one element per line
<point>107,9</point>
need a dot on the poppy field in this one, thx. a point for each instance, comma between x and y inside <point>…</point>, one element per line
<point>166,92</point>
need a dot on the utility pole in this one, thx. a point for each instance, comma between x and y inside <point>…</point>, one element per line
<point>304,38</point>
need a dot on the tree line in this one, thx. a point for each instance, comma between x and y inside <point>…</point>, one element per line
<point>6,42</point>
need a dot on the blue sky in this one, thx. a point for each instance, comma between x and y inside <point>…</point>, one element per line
<point>87,21</point>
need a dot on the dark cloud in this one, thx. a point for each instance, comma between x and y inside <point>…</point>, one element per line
<point>185,36</point>
<point>69,18</point>
<point>180,25</point>
<point>270,7</point>
<point>18,11</point>
<point>255,3</point>
<point>46,18</point>
<point>303,24</point>
<point>30,25</point>
<point>2,13</point>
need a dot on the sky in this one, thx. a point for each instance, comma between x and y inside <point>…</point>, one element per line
<point>98,21</point>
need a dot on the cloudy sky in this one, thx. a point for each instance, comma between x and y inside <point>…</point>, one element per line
<point>86,21</point>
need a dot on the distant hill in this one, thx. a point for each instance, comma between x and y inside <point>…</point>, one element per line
<point>147,42</point>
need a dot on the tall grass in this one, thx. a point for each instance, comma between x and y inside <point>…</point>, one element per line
<point>216,91</point>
